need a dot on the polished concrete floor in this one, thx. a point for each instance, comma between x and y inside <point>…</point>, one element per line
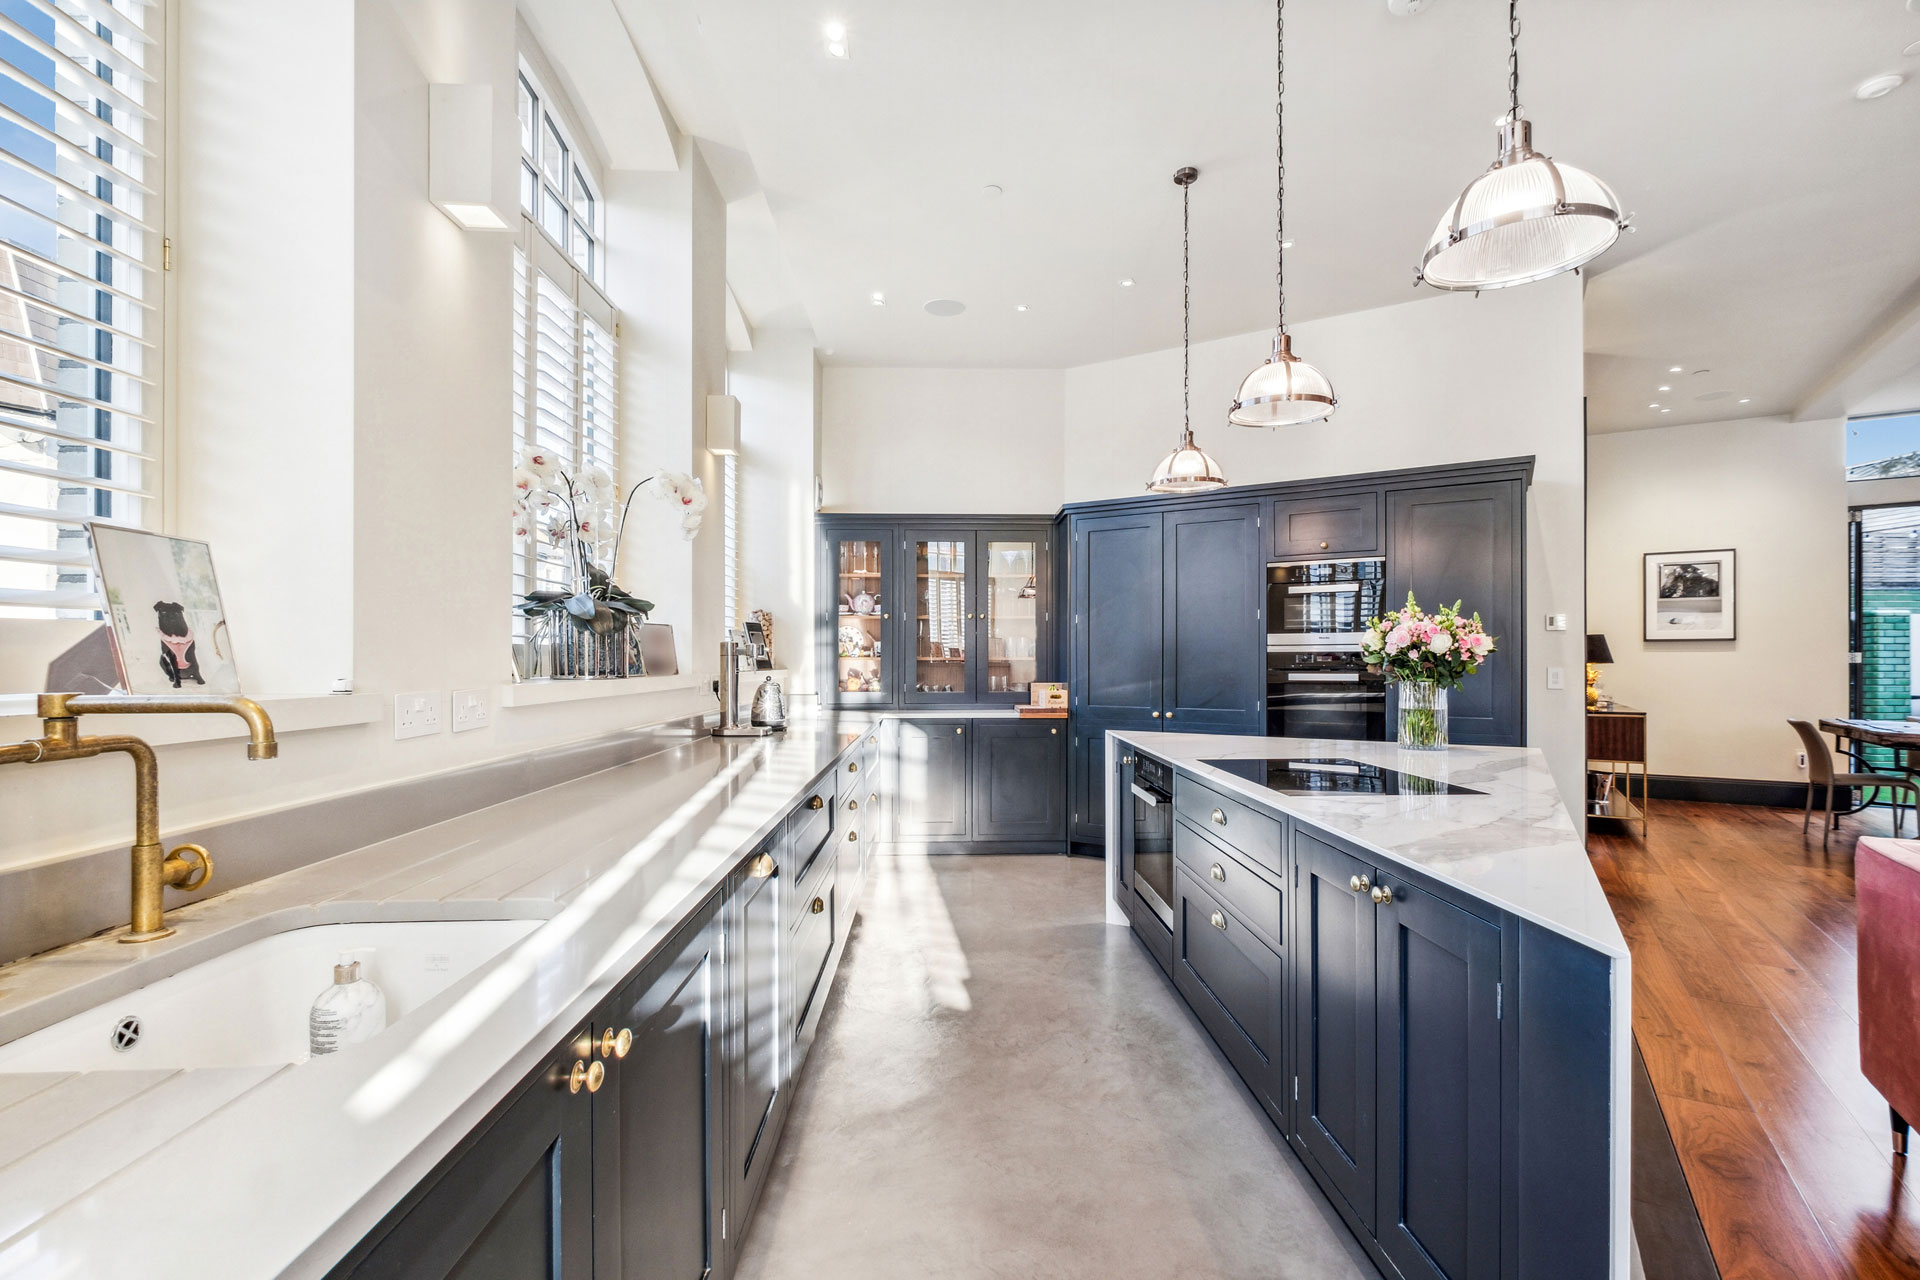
<point>1004,1086</point>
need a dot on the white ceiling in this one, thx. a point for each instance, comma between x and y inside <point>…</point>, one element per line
<point>1775,213</point>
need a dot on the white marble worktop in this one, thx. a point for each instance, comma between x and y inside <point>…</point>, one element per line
<point>1514,847</point>
<point>263,1171</point>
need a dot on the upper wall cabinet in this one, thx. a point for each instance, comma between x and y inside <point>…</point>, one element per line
<point>938,612</point>
<point>1325,528</point>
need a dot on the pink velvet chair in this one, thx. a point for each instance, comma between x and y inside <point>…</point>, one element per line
<point>1886,876</point>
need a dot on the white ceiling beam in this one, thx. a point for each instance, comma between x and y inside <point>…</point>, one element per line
<point>1890,349</point>
<point>589,46</point>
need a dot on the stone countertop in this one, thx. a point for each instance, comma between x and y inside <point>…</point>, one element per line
<point>288,1167</point>
<point>1514,847</point>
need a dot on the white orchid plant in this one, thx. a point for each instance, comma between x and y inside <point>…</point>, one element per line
<point>583,513</point>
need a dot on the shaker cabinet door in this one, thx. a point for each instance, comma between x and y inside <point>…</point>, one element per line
<point>1117,578</point>
<point>1334,1024</point>
<point>1439,1081</point>
<point>930,781</point>
<point>757,1061</point>
<point>1329,528</point>
<point>1214,637</point>
<point>1467,542</point>
<point>1019,779</point>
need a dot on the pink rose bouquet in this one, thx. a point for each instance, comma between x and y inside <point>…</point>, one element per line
<point>1411,644</point>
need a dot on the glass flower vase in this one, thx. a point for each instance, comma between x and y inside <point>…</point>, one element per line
<point>1423,715</point>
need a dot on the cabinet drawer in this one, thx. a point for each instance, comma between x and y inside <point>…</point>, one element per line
<point>811,826</point>
<point>1234,983</point>
<point>1250,896</point>
<point>812,943</point>
<point>1326,528</point>
<point>1241,827</point>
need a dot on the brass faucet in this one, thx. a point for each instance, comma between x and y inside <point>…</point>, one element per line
<point>189,866</point>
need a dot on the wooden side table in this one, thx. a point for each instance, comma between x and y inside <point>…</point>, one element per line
<point>1617,738</point>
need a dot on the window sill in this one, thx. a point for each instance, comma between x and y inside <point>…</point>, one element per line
<point>540,693</point>
<point>290,715</point>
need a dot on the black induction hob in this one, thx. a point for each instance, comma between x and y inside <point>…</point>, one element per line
<point>1295,777</point>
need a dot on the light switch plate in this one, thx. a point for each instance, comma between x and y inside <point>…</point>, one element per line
<point>1556,622</point>
<point>416,715</point>
<point>470,709</point>
<point>1556,677</point>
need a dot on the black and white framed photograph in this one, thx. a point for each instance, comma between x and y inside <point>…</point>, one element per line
<point>163,604</point>
<point>1690,595</point>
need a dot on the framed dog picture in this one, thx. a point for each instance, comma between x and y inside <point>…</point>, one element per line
<point>163,606</point>
<point>1690,595</point>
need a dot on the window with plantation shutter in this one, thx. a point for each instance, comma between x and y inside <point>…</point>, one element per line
<point>565,392</point>
<point>80,251</point>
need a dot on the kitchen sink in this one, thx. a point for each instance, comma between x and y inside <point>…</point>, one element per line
<point>249,1006</point>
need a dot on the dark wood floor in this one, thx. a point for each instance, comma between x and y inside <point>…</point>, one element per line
<point>1744,1007</point>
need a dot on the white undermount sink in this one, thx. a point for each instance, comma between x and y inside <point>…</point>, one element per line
<point>249,1006</point>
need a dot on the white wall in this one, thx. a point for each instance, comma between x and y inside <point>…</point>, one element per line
<point>941,440</point>
<point>343,415</point>
<point>1773,490</point>
<point>1442,379</point>
<point>775,383</point>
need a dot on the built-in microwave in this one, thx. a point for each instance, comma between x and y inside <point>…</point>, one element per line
<point>1323,605</point>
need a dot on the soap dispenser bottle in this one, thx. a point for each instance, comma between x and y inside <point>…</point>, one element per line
<point>351,1010</point>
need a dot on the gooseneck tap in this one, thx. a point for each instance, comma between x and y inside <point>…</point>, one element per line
<point>188,867</point>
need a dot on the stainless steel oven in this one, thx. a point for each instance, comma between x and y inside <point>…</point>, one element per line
<point>1324,695</point>
<point>1323,605</point>
<point>1146,856</point>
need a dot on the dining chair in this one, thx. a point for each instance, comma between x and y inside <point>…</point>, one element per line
<point>1820,773</point>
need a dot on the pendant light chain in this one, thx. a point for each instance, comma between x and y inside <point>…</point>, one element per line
<point>1280,166</point>
<point>1513,59</point>
<point>1186,310</point>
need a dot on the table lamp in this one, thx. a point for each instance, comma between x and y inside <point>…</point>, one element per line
<point>1597,654</point>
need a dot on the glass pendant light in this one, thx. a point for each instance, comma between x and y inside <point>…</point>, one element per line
<point>1286,391</point>
<point>1187,469</point>
<point>1527,217</point>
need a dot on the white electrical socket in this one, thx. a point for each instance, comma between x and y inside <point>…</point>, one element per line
<point>1556,622</point>
<point>1800,759</point>
<point>470,709</point>
<point>1556,677</point>
<point>416,715</point>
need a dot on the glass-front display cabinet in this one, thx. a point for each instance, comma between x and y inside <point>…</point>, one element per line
<point>941,612</point>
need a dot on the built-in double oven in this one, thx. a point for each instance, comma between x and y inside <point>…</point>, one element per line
<point>1146,853</point>
<point>1318,685</point>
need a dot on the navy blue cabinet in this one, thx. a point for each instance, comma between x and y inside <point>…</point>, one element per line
<point>1119,668</point>
<point>1467,542</point>
<point>1234,982</point>
<point>757,1055</point>
<point>930,782</point>
<point>1019,767</point>
<point>1213,647</point>
<point>1325,527</point>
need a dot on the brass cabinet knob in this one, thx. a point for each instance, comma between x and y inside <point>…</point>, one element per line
<point>873,797</point>
<point>1359,884</point>
<point>816,803</point>
<point>1055,732</point>
<point>1218,818</point>
<point>886,615</point>
<point>852,836</point>
<point>615,1044</point>
<point>819,905</point>
<point>1126,759</point>
<point>1217,920</point>
<point>188,867</point>
<point>1169,715</point>
<point>590,1075</point>
<point>1323,546</point>
<point>1218,872</point>
<point>761,867</point>
<point>852,805</point>
<point>1156,715</point>
<point>959,729</point>
<point>853,766</point>
<point>1382,895</point>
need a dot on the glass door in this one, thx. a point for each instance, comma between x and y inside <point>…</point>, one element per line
<point>942,621</point>
<point>1012,598</point>
<point>862,668</point>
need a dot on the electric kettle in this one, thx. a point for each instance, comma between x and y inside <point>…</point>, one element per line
<point>769,705</point>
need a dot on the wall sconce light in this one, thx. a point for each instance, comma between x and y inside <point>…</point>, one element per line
<point>723,425</point>
<point>460,154</point>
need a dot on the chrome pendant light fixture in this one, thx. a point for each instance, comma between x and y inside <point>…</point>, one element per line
<point>1527,217</point>
<point>1286,391</point>
<point>1187,469</point>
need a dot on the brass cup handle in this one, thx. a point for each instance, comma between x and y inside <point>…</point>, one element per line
<point>853,767</point>
<point>873,797</point>
<point>872,738</point>
<point>1217,818</point>
<point>1126,759</point>
<point>815,802</point>
<point>1359,884</point>
<point>852,836</point>
<point>189,867</point>
<point>1382,895</point>
<point>819,905</point>
<point>761,867</point>
<point>852,805</point>
<point>1218,872</point>
<point>1218,921</point>
<point>590,1075</point>
<point>616,1045</point>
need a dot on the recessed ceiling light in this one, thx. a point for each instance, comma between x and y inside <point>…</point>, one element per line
<point>1654,405</point>
<point>1912,50</point>
<point>944,307</point>
<point>836,34</point>
<point>1663,388</point>
<point>1127,283</point>
<point>1286,244</point>
<point>993,191</point>
<point>1747,400</point>
<point>1674,369</point>
<point>1019,306</point>
<point>879,299</point>
<point>1877,87</point>
<point>1666,411</point>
